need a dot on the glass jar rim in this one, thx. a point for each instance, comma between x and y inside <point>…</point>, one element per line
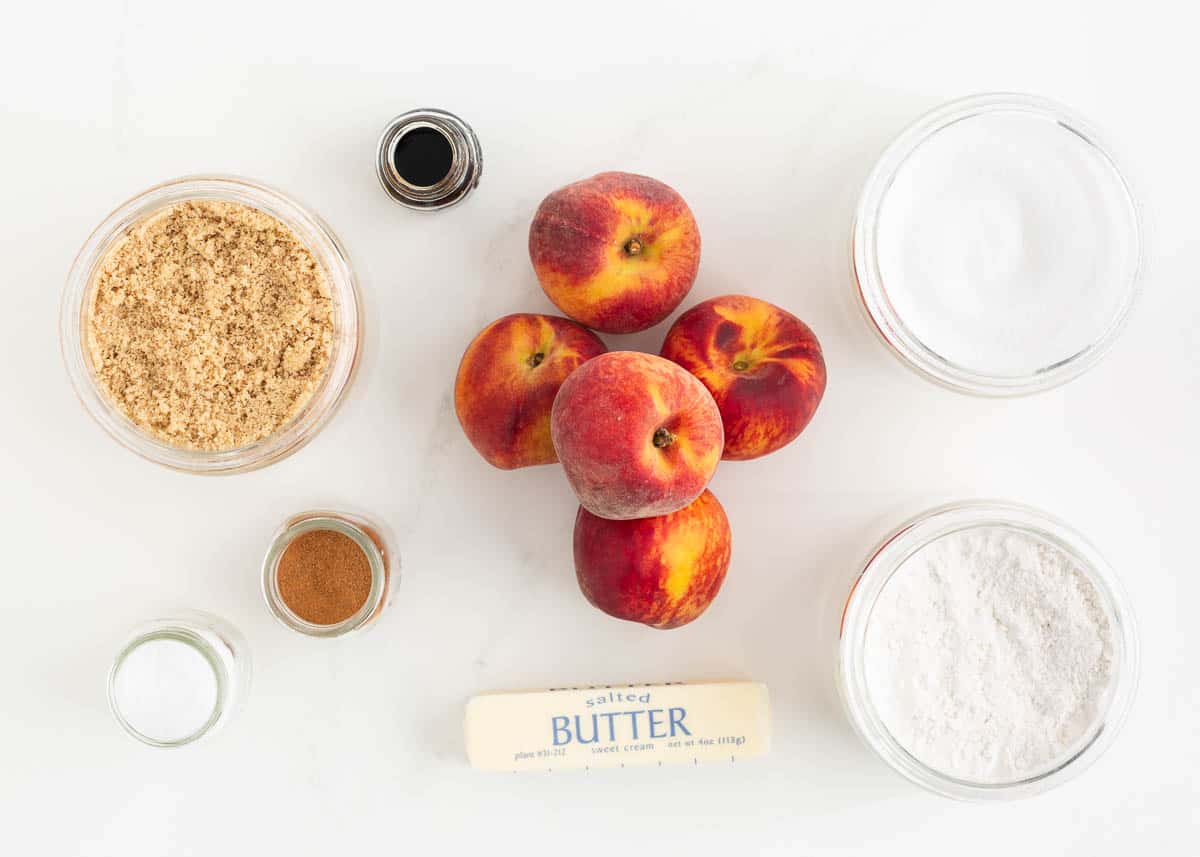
<point>869,282</point>
<point>466,165</point>
<point>890,554</point>
<point>316,235</point>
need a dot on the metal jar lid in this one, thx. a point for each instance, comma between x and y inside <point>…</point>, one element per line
<point>466,164</point>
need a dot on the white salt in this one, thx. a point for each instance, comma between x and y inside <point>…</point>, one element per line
<point>165,689</point>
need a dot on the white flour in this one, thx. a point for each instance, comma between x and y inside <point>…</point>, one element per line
<point>988,654</point>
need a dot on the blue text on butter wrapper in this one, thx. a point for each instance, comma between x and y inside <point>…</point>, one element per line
<point>619,725</point>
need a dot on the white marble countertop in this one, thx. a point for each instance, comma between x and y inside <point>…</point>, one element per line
<point>767,122</point>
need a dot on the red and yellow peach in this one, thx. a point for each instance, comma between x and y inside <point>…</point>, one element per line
<point>763,366</point>
<point>507,382</point>
<point>636,434</point>
<point>662,571</point>
<point>616,252</point>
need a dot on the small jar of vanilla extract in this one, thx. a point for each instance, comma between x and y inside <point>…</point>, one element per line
<point>428,159</point>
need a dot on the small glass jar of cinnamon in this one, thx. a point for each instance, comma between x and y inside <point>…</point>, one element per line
<point>327,573</point>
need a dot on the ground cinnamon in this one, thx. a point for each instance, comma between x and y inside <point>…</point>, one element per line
<point>323,577</point>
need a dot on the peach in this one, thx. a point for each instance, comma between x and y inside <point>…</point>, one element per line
<point>507,382</point>
<point>662,571</point>
<point>637,435</point>
<point>616,252</point>
<point>762,365</point>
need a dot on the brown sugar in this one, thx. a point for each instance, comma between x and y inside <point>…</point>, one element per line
<point>210,325</point>
<point>323,577</point>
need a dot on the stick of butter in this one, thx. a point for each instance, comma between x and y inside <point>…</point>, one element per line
<point>611,727</point>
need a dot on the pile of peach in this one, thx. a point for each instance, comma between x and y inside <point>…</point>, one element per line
<point>639,436</point>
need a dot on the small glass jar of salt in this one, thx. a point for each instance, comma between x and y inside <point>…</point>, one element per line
<point>178,679</point>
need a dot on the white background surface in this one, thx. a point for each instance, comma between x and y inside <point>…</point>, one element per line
<point>767,122</point>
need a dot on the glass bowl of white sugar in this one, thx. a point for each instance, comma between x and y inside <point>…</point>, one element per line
<point>996,246</point>
<point>987,651</point>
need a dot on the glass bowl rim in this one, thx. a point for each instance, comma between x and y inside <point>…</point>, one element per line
<point>316,235</point>
<point>890,553</point>
<point>868,280</point>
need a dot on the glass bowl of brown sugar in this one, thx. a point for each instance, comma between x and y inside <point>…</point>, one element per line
<point>211,324</point>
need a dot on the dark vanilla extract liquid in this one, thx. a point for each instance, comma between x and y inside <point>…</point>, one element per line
<point>423,157</point>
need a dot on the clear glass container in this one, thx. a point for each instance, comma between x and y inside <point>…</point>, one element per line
<point>466,160</point>
<point>315,235</point>
<point>892,553</point>
<point>370,537</point>
<point>1087,311</point>
<point>217,642</point>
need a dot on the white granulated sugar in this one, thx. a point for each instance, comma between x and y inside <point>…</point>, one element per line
<point>1004,243</point>
<point>988,655</point>
<point>165,689</point>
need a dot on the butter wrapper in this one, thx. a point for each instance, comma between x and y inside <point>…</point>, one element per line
<point>618,726</point>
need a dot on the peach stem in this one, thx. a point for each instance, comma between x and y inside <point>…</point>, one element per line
<point>663,438</point>
<point>634,246</point>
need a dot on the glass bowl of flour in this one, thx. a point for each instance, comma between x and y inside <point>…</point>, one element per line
<point>996,245</point>
<point>987,651</point>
